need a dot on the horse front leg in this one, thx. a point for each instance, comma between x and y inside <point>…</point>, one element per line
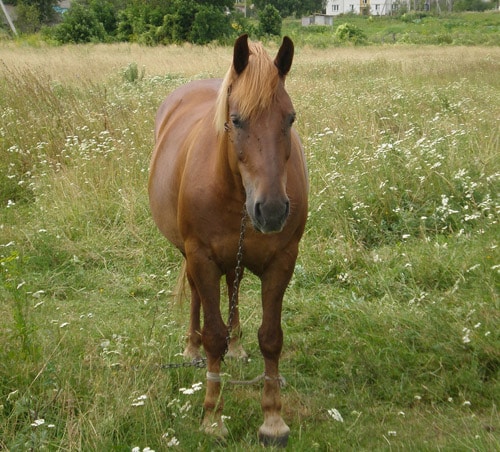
<point>274,430</point>
<point>235,349</point>
<point>204,280</point>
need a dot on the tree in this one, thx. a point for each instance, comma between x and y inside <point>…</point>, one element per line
<point>305,7</point>
<point>210,23</point>
<point>270,21</point>
<point>140,18</point>
<point>219,4</point>
<point>472,5</point>
<point>79,25</point>
<point>288,7</point>
<point>32,14</point>
<point>106,14</point>
<point>45,8</point>
<point>28,18</point>
<point>177,25</point>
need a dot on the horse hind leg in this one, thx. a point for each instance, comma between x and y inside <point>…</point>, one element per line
<point>193,345</point>
<point>235,349</point>
<point>204,280</point>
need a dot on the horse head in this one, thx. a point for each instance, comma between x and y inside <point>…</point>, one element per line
<point>258,117</point>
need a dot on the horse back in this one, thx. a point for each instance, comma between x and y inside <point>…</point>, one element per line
<point>176,124</point>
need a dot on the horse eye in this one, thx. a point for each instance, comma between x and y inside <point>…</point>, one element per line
<point>236,120</point>
<point>291,118</point>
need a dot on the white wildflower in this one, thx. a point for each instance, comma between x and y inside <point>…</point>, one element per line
<point>139,401</point>
<point>335,414</point>
<point>173,442</point>
<point>466,336</point>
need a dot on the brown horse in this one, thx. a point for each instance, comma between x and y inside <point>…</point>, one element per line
<point>222,146</point>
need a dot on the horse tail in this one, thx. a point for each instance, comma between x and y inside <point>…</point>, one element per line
<point>180,291</point>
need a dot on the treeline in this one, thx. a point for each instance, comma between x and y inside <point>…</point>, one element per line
<point>155,22</point>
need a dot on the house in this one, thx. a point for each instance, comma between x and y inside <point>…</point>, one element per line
<point>365,7</point>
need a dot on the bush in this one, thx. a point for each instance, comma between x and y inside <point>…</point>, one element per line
<point>28,18</point>
<point>270,21</point>
<point>350,33</point>
<point>209,24</point>
<point>106,14</point>
<point>79,25</point>
<point>240,24</point>
<point>177,25</point>
<point>473,5</point>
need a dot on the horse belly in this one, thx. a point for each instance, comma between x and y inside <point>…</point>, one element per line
<point>175,121</point>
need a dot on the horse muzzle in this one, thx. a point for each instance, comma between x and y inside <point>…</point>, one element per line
<point>269,216</point>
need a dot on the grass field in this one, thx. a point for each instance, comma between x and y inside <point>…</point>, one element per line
<point>391,319</point>
<point>411,28</point>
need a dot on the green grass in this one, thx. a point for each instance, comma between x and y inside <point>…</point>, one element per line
<point>411,28</point>
<point>392,315</point>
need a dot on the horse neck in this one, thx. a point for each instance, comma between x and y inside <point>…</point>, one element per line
<point>227,168</point>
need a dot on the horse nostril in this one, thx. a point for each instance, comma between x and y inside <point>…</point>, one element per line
<point>287,208</point>
<point>258,211</point>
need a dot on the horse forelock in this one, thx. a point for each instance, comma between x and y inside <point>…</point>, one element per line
<point>253,90</point>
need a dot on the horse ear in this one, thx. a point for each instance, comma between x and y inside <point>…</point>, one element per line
<point>241,54</point>
<point>284,58</point>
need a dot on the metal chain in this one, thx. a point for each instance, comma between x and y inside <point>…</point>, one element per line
<point>238,270</point>
<point>201,363</point>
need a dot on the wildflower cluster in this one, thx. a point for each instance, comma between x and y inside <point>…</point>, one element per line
<point>403,181</point>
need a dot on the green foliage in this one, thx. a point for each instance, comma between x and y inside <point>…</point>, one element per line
<point>474,5</point>
<point>410,28</point>
<point>240,24</point>
<point>350,33</point>
<point>178,25</point>
<point>209,24</point>
<point>270,21</point>
<point>132,74</point>
<point>12,286</point>
<point>28,18</point>
<point>79,25</point>
<point>105,13</point>
<point>287,8</point>
<point>45,8</point>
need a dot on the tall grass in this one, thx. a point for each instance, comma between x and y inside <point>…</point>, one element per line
<point>391,319</point>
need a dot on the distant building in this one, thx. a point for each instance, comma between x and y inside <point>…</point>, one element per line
<point>366,7</point>
<point>317,19</point>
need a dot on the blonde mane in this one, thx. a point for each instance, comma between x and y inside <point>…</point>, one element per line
<point>254,89</point>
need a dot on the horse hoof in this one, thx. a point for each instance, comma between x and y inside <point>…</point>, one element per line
<point>273,441</point>
<point>192,352</point>
<point>237,352</point>
<point>215,428</point>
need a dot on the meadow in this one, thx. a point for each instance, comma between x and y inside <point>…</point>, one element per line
<point>413,27</point>
<point>391,319</point>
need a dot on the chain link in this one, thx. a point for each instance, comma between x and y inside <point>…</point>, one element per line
<point>238,270</point>
<point>201,363</point>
